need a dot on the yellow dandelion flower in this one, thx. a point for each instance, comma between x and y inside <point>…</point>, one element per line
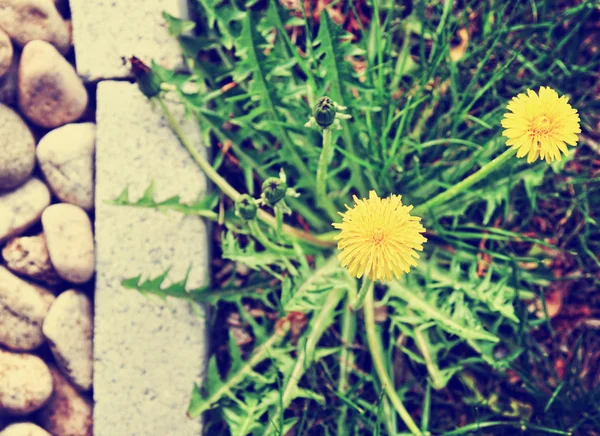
<point>378,237</point>
<point>540,125</point>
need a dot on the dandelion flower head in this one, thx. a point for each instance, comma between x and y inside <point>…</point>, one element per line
<point>540,125</point>
<point>379,237</point>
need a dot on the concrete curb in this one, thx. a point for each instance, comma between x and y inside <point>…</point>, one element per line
<point>108,33</point>
<point>147,353</point>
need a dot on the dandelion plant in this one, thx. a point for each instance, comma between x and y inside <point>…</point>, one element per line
<point>419,311</point>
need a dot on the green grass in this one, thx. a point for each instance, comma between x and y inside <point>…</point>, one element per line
<point>464,338</point>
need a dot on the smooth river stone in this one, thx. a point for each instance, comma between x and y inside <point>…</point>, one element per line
<point>25,383</point>
<point>50,93</point>
<point>6,53</point>
<point>24,429</point>
<point>70,240</point>
<point>9,82</point>
<point>17,149</point>
<point>28,256</point>
<point>21,208</point>
<point>67,412</point>
<point>68,327</point>
<point>23,307</point>
<point>29,20</point>
<point>66,157</point>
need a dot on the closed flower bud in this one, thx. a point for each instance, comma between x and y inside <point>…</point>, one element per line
<point>147,80</point>
<point>324,112</point>
<point>274,190</point>
<point>246,207</point>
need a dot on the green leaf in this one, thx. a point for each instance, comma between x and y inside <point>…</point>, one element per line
<point>247,255</point>
<point>260,67</point>
<point>155,287</point>
<point>234,353</point>
<point>203,207</point>
<point>495,294</point>
<point>177,26</point>
<point>196,399</point>
<point>332,47</point>
<point>459,322</point>
<point>218,389</point>
<point>123,198</point>
<point>220,16</point>
<point>244,419</point>
<point>314,285</point>
<point>299,392</point>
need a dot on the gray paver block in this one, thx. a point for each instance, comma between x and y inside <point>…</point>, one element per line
<point>106,32</point>
<point>147,353</point>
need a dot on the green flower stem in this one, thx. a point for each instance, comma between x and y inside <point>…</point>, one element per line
<point>307,353</point>
<point>297,234</point>
<point>210,172</point>
<point>452,192</point>
<point>266,242</point>
<point>377,354</point>
<point>346,361</point>
<point>465,184</point>
<point>366,287</point>
<point>225,187</point>
<point>307,212</point>
<point>278,220</point>
<point>324,162</point>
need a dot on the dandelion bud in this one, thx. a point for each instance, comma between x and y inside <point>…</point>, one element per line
<point>274,190</point>
<point>246,207</point>
<point>147,80</point>
<point>324,112</point>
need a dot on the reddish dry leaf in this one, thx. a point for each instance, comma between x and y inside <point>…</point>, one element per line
<point>543,224</point>
<point>240,334</point>
<point>458,51</point>
<point>227,87</point>
<point>360,66</point>
<point>554,302</point>
<point>513,377</point>
<point>484,259</point>
<point>381,313</point>
<point>282,326</point>
<point>258,312</point>
<point>293,322</point>
<point>294,5</point>
<point>298,321</point>
<point>560,367</point>
<point>336,16</point>
<point>303,223</point>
